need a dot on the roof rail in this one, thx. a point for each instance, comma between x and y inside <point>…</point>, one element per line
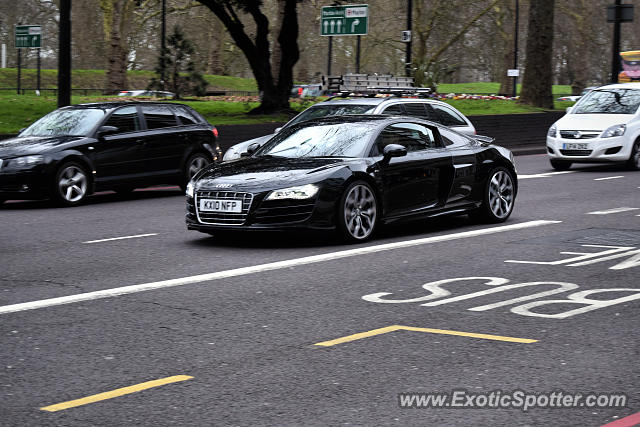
<point>374,91</point>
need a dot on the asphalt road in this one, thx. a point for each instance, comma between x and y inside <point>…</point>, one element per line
<point>237,332</point>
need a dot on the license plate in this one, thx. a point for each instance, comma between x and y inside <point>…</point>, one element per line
<point>575,146</point>
<point>218,205</point>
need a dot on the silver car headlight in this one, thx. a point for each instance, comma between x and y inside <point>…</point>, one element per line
<point>190,189</point>
<point>617,130</point>
<point>553,130</point>
<point>296,193</point>
<point>25,162</point>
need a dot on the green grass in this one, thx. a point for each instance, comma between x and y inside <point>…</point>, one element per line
<point>491,88</point>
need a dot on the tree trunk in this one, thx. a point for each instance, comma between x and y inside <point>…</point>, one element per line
<point>116,18</point>
<point>537,81</point>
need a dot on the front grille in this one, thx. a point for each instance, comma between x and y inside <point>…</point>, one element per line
<point>223,218</point>
<point>283,212</point>
<point>576,134</point>
<point>576,152</point>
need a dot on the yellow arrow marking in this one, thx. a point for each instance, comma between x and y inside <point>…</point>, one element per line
<point>394,328</point>
<point>115,393</point>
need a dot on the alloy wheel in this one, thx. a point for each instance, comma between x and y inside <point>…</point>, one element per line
<point>501,194</point>
<point>360,212</point>
<point>197,163</point>
<point>72,184</point>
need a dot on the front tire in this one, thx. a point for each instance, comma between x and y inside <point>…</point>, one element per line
<point>358,212</point>
<point>193,165</point>
<point>560,165</point>
<point>634,160</point>
<point>499,197</point>
<point>71,184</point>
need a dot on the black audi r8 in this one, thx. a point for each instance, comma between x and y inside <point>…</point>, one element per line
<point>352,173</point>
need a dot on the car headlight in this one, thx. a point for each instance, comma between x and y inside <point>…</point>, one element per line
<point>190,189</point>
<point>26,161</point>
<point>296,193</point>
<point>617,130</point>
<point>553,130</point>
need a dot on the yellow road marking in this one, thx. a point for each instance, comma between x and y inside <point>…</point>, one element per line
<point>394,328</point>
<point>115,393</point>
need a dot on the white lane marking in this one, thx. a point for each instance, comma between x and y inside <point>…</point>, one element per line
<point>612,211</point>
<point>121,238</point>
<point>609,177</point>
<point>543,175</point>
<point>107,293</point>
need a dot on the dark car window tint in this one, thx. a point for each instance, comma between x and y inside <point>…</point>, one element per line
<point>416,109</point>
<point>412,136</point>
<point>125,119</point>
<point>454,140</point>
<point>395,109</point>
<point>158,116</point>
<point>185,116</point>
<point>447,116</point>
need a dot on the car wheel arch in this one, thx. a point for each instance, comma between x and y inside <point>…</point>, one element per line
<point>80,159</point>
<point>361,176</point>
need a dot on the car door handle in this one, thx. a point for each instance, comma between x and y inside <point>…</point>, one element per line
<point>141,141</point>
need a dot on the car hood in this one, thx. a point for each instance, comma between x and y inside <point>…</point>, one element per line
<point>28,145</point>
<point>235,150</point>
<point>592,121</point>
<point>264,173</point>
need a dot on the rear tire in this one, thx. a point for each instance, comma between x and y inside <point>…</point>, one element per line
<point>499,197</point>
<point>357,212</point>
<point>71,184</point>
<point>193,165</point>
<point>634,160</point>
<point>560,165</point>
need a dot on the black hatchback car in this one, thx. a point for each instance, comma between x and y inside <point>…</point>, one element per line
<point>74,151</point>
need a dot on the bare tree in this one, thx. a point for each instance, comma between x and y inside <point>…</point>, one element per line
<point>274,89</point>
<point>538,79</point>
<point>117,15</point>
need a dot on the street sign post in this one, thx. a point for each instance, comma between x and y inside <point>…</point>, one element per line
<point>352,20</point>
<point>29,36</point>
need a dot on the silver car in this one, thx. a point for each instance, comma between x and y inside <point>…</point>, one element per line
<point>429,109</point>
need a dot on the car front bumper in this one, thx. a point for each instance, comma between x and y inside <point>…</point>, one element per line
<point>27,184</point>
<point>616,149</point>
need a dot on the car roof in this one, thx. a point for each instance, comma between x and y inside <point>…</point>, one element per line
<point>375,101</point>
<point>620,86</point>
<point>115,104</point>
<point>363,118</point>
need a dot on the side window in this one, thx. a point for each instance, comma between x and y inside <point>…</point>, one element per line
<point>447,116</point>
<point>453,139</point>
<point>185,116</point>
<point>395,109</point>
<point>158,116</point>
<point>416,109</point>
<point>125,119</point>
<point>412,136</point>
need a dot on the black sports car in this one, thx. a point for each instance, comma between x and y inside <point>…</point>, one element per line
<point>352,173</point>
<point>73,151</point>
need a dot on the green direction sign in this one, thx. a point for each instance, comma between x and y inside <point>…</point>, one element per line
<point>352,20</point>
<point>28,36</point>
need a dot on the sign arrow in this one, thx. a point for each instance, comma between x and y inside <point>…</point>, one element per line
<point>354,24</point>
<point>333,23</point>
<point>326,25</point>
<point>338,24</point>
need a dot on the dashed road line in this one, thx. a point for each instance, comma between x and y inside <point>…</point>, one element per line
<point>609,177</point>
<point>394,328</point>
<point>543,175</point>
<point>115,393</point>
<point>125,290</point>
<point>612,211</point>
<point>121,238</point>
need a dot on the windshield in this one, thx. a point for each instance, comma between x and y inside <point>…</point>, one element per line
<point>609,101</point>
<point>331,110</point>
<point>321,140</point>
<point>71,122</point>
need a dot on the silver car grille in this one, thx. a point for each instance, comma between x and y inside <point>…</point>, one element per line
<point>223,218</point>
<point>579,134</point>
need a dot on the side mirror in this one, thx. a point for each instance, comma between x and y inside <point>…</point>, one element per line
<point>250,150</point>
<point>569,109</point>
<point>394,150</point>
<point>106,130</point>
